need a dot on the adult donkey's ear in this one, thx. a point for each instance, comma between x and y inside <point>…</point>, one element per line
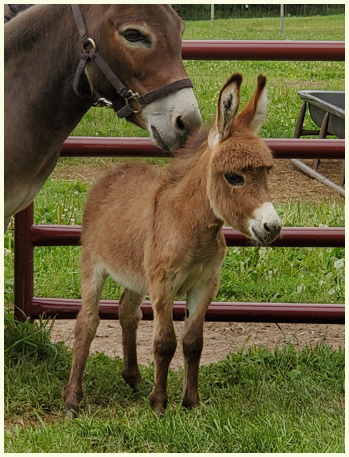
<point>254,113</point>
<point>227,107</point>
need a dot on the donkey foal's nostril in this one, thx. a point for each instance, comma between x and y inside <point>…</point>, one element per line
<point>266,227</point>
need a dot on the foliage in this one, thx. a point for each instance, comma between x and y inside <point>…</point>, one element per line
<point>253,401</point>
<point>31,339</point>
<point>203,11</point>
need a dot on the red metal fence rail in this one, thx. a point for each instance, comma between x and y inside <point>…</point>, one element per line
<point>27,235</point>
<point>283,148</point>
<point>263,50</point>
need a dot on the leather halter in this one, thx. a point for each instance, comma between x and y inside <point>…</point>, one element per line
<point>89,53</point>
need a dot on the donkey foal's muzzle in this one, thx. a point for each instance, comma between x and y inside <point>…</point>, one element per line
<point>265,225</point>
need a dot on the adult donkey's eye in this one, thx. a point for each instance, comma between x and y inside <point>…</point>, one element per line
<point>135,36</point>
<point>234,179</point>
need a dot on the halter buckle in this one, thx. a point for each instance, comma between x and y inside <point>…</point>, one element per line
<point>135,97</point>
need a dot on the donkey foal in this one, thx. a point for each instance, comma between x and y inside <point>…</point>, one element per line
<point>159,233</point>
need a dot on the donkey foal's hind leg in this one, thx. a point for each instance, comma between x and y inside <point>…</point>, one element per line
<point>85,330</point>
<point>130,314</point>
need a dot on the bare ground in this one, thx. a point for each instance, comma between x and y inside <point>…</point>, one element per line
<point>286,184</point>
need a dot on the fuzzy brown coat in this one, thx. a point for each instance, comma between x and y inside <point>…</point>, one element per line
<point>158,233</point>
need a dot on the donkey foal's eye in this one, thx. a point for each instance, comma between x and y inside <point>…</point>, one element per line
<point>234,179</point>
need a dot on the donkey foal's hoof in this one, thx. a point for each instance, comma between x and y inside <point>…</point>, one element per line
<point>134,381</point>
<point>190,402</point>
<point>158,405</point>
<point>71,412</point>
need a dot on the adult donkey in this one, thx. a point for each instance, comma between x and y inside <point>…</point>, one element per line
<point>10,11</point>
<point>161,234</point>
<point>62,59</point>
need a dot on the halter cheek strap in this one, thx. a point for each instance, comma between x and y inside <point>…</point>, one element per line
<point>89,53</point>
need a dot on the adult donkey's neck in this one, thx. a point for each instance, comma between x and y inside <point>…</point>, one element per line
<point>41,54</point>
<point>42,51</point>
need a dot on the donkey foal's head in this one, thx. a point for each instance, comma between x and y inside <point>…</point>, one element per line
<point>240,163</point>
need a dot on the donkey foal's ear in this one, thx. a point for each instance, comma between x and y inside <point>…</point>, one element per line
<point>227,107</point>
<point>254,113</point>
<point>261,105</point>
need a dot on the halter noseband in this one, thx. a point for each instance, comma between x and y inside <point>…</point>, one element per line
<point>90,53</point>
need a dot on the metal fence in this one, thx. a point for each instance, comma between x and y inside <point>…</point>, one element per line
<point>28,236</point>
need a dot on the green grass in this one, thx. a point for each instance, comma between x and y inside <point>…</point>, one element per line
<point>253,401</point>
<point>286,400</point>
<point>295,28</point>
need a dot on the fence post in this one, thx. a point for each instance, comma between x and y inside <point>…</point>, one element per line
<point>24,263</point>
<point>282,15</point>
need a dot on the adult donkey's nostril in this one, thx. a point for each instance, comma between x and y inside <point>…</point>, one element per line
<point>186,125</point>
<point>180,124</point>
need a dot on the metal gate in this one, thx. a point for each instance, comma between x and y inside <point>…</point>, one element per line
<point>28,236</point>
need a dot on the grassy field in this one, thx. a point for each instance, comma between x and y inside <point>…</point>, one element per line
<point>254,401</point>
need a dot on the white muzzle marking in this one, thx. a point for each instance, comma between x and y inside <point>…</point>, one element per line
<point>171,119</point>
<point>265,224</point>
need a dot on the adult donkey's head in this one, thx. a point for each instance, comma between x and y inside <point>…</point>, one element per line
<point>142,46</point>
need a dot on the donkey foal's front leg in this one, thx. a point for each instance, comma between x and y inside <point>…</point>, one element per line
<point>198,300</point>
<point>192,347</point>
<point>164,347</point>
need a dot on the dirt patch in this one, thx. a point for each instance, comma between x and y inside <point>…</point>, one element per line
<point>290,185</point>
<point>286,184</point>
<point>220,338</point>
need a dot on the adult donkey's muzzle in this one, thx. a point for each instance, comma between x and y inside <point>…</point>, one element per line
<point>172,119</point>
